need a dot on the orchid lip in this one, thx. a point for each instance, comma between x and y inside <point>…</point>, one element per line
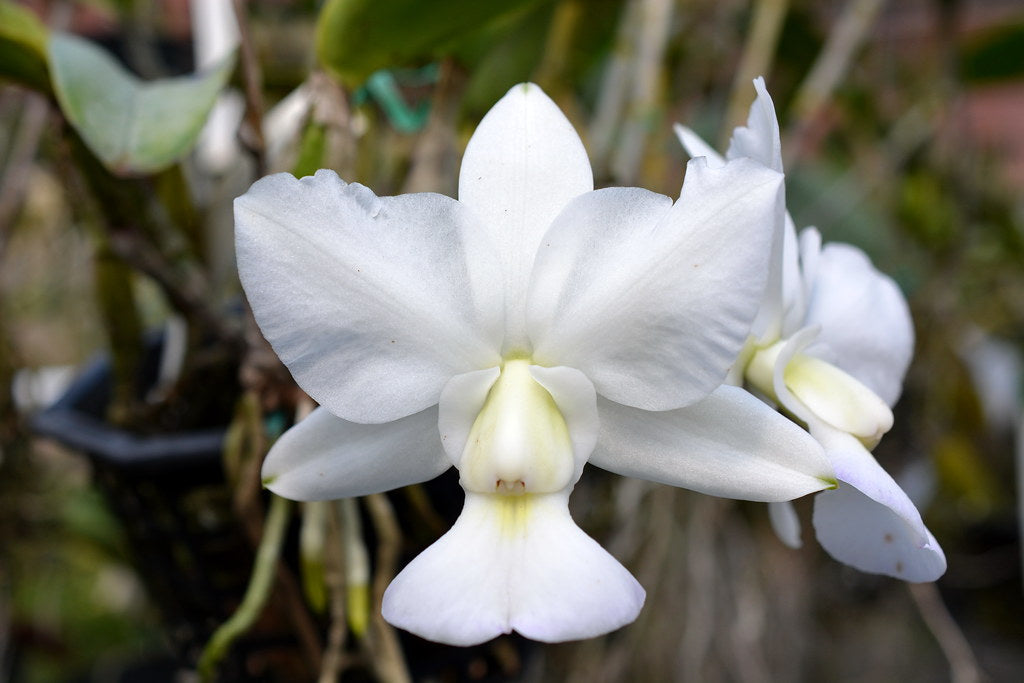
<point>519,442</point>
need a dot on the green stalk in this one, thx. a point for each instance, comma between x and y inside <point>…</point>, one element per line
<point>263,573</point>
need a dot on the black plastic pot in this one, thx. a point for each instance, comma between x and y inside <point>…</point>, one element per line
<point>169,492</point>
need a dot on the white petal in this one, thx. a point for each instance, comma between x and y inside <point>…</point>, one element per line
<point>759,139</point>
<point>794,296</point>
<point>566,586</point>
<point>522,166</point>
<point>577,400</point>
<point>730,444</point>
<point>513,563</point>
<point>815,390</point>
<point>785,523</point>
<point>801,264</point>
<point>810,253</point>
<point>869,522</point>
<point>767,326</point>
<point>324,457</point>
<point>864,318</point>
<point>838,398</point>
<point>696,147</point>
<point>464,396</point>
<point>372,302</point>
<point>653,304</point>
<point>461,400</point>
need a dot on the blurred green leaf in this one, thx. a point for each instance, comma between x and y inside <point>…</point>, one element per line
<point>312,150</point>
<point>502,55</point>
<point>22,47</point>
<point>928,212</point>
<point>355,38</point>
<point>133,127</point>
<point>996,55</point>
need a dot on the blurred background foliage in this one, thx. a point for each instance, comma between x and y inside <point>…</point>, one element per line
<point>903,129</point>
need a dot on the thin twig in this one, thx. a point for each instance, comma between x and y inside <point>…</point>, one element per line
<point>16,172</point>
<point>433,166</point>
<point>962,663</point>
<point>566,21</point>
<point>331,110</point>
<point>614,85</point>
<point>644,106</point>
<point>248,505</point>
<point>357,567</point>
<point>762,39</point>
<point>334,659</point>
<point>186,291</point>
<point>388,662</point>
<point>1019,452</point>
<point>256,594</point>
<point>252,77</point>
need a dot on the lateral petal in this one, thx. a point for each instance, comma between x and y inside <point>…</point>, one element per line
<point>837,398</point>
<point>814,390</point>
<point>464,396</point>
<point>730,444</point>
<point>864,318</point>
<point>324,457</point>
<point>372,302</point>
<point>654,303</point>
<point>523,164</point>
<point>513,563</point>
<point>461,400</point>
<point>868,522</point>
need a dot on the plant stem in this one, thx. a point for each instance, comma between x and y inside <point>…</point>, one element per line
<point>264,571</point>
<point>386,654</point>
<point>253,79</point>
<point>962,663</point>
<point>334,659</point>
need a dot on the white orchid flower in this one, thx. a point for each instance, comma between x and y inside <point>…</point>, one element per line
<point>516,333</point>
<point>831,345</point>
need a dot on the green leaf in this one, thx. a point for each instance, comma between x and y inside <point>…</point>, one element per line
<point>23,47</point>
<point>995,55</point>
<point>355,38</point>
<point>133,127</point>
<point>505,53</point>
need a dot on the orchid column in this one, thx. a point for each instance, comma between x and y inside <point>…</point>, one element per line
<point>516,333</point>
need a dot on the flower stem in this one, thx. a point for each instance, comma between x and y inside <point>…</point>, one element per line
<point>256,594</point>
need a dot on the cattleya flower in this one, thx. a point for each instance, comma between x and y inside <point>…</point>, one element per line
<point>517,333</point>
<point>831,345</point>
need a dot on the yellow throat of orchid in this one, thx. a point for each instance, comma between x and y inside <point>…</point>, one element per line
<point>827,392</point>
<point>519,443</point>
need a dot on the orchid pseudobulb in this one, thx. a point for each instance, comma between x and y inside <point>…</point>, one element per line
<point>516,333</point>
